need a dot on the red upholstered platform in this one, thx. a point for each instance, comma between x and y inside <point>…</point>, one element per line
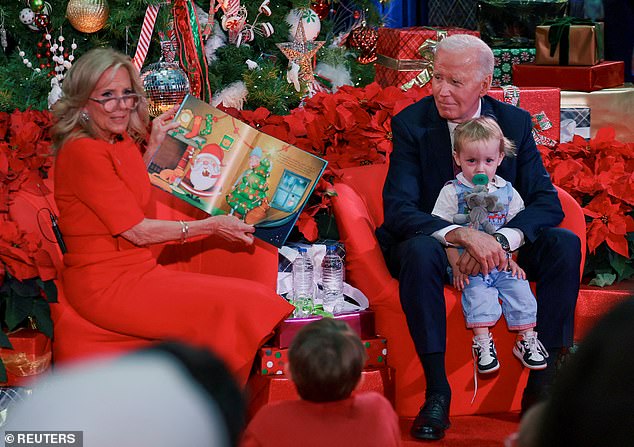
<point>469,431</point>
<point>595,301</point>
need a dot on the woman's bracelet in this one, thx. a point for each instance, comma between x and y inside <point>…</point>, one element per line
<point>184,231</point>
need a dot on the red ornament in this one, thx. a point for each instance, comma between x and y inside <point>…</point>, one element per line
<point>42,21</point>
<point>42,66</point>
<point>363,39</point>
<point>321,7</point>
<point>39,44</point>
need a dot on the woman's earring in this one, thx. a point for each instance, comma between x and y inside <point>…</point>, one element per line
<point>84,117</point>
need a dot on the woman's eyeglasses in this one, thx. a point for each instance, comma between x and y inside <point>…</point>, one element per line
<point>110,104</point>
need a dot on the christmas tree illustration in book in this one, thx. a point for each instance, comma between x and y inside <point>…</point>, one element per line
<point>221,165</point>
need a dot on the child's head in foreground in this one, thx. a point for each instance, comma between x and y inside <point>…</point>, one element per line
<point>326,358</point>
<point>480,147</point>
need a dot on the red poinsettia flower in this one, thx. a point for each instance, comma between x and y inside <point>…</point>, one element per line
<point>610,223</point>
<point>379,132</point>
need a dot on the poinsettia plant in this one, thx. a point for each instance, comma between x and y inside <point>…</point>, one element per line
<point>599,174</point>
<point>352,127</point>
<point>26,269</point>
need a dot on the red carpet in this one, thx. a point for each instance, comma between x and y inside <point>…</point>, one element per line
<point>469,431</point>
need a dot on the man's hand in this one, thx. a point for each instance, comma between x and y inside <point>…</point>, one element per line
<point>482,252</point>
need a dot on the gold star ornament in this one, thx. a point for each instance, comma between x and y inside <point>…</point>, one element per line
<point>302,52</point>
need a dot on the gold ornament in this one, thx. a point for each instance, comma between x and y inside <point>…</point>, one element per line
<point>87,16</point>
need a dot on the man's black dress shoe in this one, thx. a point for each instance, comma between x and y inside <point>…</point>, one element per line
<point>432,419</point>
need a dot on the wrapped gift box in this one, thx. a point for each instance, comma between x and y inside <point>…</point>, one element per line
<point>511,23</point>
<point>272,360</point>
<point>543,105</point>
<point>612,107</point>
<point>399,58</point>
<point>446,13</point>
<point>581,45</point>
<point>264,389</point>
<point>586,79</point>
<point>574,121</point>
<point>505,58</point>
<point>30,356</point>
<point>362,322</point>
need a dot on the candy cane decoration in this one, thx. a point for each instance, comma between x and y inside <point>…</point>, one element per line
<point>146,35</point>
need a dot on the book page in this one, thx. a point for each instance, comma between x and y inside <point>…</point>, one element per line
<point>198,161</point>
<point>223,166</point>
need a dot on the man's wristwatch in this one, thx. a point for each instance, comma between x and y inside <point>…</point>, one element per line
<point>503,241</point>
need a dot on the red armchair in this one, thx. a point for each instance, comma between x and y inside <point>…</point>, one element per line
<point>358,209</point>
<point>77,338</point>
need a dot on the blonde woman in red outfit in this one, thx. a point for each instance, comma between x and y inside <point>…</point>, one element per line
<point>102,191</point>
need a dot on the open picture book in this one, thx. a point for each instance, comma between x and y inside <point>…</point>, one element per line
<point>221,165</point>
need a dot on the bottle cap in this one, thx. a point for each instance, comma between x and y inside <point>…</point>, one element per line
<point>301,249</point>
<point>331,247</point>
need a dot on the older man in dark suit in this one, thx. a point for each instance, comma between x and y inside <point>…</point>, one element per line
<point>420,164</point>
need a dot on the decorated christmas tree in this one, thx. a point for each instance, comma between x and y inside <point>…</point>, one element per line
<point>250,191</point>
<point>239,62</point>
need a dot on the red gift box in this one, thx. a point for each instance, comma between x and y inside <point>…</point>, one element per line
<point>30,356</point>
<point>386,77</point>
<point>403,43</point>
<point>543,104</point>
<point>362,322</point>
<point>272,360</point>
<point>272,388</point>
<point>398,57</point>
<point>585,79</point>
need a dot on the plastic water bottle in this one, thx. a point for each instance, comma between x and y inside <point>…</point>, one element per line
<point>332,280</point>
<point>303,284</point>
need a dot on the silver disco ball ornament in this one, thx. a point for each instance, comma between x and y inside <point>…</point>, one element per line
<point>165,85</point>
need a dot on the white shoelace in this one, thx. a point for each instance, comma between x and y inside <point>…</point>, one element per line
<point>535,347</point>
<point>485,345</point>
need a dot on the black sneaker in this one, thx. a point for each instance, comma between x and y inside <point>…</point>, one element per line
<point>530,351</point>
<point>484,354</point>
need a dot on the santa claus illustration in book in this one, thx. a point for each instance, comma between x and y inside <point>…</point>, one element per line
<point>205,169</point>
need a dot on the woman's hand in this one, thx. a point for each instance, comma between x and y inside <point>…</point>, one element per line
<point>230,228</point>
<point>160,126</point>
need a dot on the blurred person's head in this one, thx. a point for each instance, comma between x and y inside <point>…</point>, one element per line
<point>102,98</point>
<point>326,359</point>
<point>152,397</point>
<point>592,400</point>
<point>463,70</point>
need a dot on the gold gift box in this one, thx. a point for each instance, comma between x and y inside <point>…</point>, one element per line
<point>611,107</point>
<point>586,45</point>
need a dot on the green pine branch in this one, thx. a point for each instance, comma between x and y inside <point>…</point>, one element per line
<point>21,87</point>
